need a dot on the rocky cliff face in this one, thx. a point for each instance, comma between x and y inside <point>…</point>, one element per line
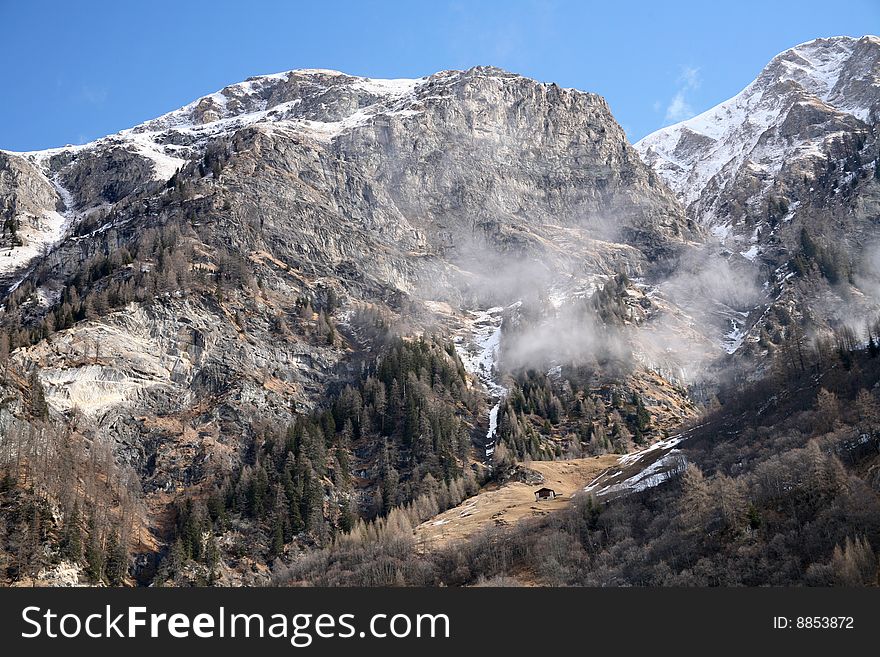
<point>206,274</point>
<point>789,161</point>
<point>462,186</point>
<point>29,214</point>
<point>442,165</point>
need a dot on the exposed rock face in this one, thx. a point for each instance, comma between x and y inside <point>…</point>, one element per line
<point>534,154</point>
<point>430,187</point>
<point>218,225</point>
<point>180,355</point>
<point>476,169</point>
<point>24,189</point>
<point>796,149</point>
<point>102,176</point>
<point>438,166</point>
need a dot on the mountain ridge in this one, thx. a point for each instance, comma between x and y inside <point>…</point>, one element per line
<point>316,105</point>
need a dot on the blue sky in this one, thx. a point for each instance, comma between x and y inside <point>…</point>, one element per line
<point>76,71</point>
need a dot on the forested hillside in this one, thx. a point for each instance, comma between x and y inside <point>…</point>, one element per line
<point>781,486</point>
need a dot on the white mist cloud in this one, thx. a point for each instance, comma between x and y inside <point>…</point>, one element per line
<point>679,107</point>
<point>92,95</point>
<point>572,335</point>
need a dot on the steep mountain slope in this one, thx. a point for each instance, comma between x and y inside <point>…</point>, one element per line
<point>216,294</point>
<point>310,300</point>
<point>784,176</point>
<point>779,487</point>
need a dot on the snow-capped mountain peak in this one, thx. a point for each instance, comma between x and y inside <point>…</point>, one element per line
<point>834,78</point>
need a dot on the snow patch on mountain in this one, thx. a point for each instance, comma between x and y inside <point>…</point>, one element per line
<point>478,348</point>
<point>262,100</point>
<point>40,234</point>
<point>164,165</point>
<point>167,141</point>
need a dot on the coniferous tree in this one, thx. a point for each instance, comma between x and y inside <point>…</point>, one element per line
<point>39,407</point>
<point>117,560</point>
<point>94,553</point>
<point>71,541</point>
